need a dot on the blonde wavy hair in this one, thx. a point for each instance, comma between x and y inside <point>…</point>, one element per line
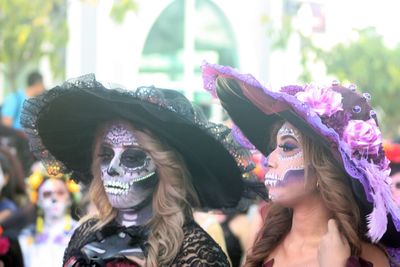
<point>172,199</point>
<point>335,192</point>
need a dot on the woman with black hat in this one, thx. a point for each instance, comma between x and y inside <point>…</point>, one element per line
<point>149,158</point>
<point>328,177</point>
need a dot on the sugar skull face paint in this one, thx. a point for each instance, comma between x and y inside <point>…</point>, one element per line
<point>54,198</point>
<point>289,153</point>
<point>127,171</point>
<point>285,163</point>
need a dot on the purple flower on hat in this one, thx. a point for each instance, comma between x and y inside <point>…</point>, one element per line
<point>363,136</point>
<point>337,121</point>
<point>324,101</point>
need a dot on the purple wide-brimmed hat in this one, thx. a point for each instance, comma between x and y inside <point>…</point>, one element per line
<point>337,117</point>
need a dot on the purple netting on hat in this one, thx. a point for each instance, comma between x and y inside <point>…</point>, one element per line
<point>241,139</point>
<point>371,173</point>
<point>210,75</point>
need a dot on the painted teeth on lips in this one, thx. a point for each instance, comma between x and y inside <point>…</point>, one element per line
<point>116,187</point>
<point>272,176</point>
<point>116,191</point>
<point>271,179</point>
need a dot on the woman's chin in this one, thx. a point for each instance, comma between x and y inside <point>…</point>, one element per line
<point>120,201</point>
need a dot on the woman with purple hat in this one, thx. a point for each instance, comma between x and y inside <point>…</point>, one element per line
<point>328,177</point>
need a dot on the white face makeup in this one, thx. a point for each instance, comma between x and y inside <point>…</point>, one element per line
<point>285,175</point>
<point>54,198</point>
<point>290,156</point>
<point>127,171</point>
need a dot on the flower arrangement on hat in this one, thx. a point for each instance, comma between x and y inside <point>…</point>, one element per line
<point>336,118</point>
<point>36,179</point>
<point>55,196</point>
<point>362,137</point>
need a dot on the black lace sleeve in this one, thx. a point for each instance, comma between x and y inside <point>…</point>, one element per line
<point>80,237</point>
<point>199,249</point>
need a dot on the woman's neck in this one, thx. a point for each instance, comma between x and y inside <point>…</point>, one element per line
<point>310,219</point>
<point>128,217</point>
<point>53,220</point>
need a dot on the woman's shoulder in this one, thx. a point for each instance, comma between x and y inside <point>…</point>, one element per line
<point>193,231</point>
<point>80,237</point>
<point>374,254</point>
<point>7,204</point>
<point>198,248</point>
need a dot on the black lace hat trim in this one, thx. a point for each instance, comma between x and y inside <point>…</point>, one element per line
<point>62,122</point>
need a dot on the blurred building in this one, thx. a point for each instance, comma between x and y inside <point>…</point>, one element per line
<point>165,42</point>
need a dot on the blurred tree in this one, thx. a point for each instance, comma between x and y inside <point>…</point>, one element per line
<point>121,7</point>
<point>280,38</point>
<point>366,62</point>
<point>33,29</point>
<point>30,30</point>
<point>374,68</point>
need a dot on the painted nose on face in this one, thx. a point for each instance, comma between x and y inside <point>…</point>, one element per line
<point>272,162</point>
<point>112,169</point>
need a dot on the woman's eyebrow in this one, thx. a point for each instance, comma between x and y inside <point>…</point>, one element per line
<point>287,136</point>
<point>132,146</point>
<point>106,144</point>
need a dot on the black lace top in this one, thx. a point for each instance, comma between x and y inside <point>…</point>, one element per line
<point>197,248</point>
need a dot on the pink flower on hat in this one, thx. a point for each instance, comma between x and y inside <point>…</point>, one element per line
<point>324,101</point>
<point>363,136</point>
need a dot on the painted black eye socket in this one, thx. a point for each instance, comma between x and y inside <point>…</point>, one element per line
<point>397,185</point>
<point>106,154</point>
<point>133,158</point>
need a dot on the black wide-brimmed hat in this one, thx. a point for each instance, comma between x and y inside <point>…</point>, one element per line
<point>337,117</point>
<point>62,123</point>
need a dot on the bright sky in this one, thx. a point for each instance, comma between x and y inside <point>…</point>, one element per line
<point>383,14</point>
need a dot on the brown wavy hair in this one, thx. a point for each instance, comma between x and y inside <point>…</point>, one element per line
<point>172,199</point>
<point>335,193</point>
